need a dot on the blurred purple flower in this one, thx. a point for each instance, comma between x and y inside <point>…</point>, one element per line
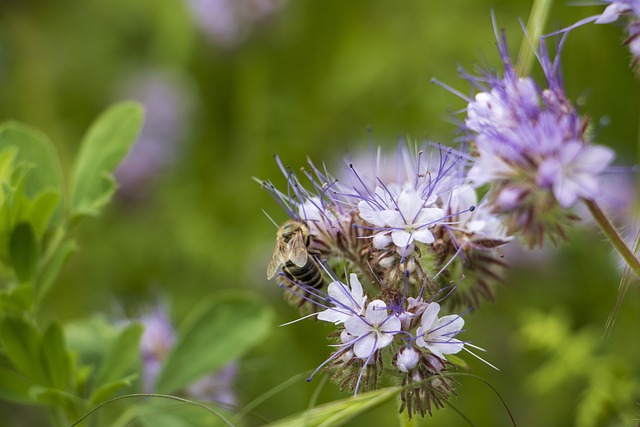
<point>216,387</point>
<point>167,105</point>
<point>157,340</point>
<point>228,22</point>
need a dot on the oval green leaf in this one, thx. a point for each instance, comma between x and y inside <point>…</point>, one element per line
<point>106,143</point>
<point>218,331</point>
<point>35,149</point>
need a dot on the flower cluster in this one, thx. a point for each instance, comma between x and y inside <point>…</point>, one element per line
<point>533,148</point>
<point>411,238</point>
<point>400,239</point>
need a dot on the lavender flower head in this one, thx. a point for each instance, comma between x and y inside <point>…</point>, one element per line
<point>167,103</point>
<point>157,340</point>
<point>388,237</point>
<point>532,148</point>
<point>229,22</point>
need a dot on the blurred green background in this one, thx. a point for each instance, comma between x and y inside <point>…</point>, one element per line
<point>227,86</point>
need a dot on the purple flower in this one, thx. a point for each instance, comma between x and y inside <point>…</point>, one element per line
<point>157,340</point>
<point>167,103</point>
<point>532,148</point>
<point>229,22</point>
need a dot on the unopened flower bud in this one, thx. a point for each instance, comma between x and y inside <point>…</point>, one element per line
<point>407,359</point>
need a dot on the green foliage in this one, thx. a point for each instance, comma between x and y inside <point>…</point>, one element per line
<point>577,356</point>
<point>38,366</point>
<point>219,330</point>
<point>23,248</point>
<point>22,343</point>
<point>339,412</point>
<point>118,361</point>
<point>103,147</point>
<point>35,150</point>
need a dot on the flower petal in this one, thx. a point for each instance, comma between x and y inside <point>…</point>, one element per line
<point>357,326</point>
<point>376,312</point>
<point>365,346</point>
<point>401,238</point>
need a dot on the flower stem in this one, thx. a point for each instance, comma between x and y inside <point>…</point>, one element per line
<point>610,233</point>
<point>535,26</point>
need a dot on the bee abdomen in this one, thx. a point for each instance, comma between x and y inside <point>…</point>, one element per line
<point>309,274</point>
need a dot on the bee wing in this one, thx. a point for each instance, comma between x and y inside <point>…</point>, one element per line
<point>278,257</point>
<point>298,250</point>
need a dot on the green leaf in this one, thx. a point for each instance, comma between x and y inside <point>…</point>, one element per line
<point>106,143</point>
<point>56,357</point>
<point>90,338</point>
<point>17,300</point>
<point>34,148</point>
<point>71,404</point>
<point>121,355</point>
<point>43,207</point>
<point>13,386</point>
<point>23,248</point>
<point>168,414</point>
<point>340,411</point>
<point>218,331</point>
<point>50,271</point>
<point>105,391</point>
<point>22,344</point>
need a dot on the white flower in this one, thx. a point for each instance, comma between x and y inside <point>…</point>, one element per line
<point>374,331</point>
<point>406,216</point>
<point>436,335</point>
<point>348,301</point>
<point>415,308</point>
<point>407,359</point>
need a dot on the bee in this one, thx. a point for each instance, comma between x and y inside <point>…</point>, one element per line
<point>292,253</point>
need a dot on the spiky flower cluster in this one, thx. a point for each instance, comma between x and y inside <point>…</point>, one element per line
<point>532,147</point>
<point>396,239</point>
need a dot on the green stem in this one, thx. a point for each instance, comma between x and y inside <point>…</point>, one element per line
<point>612,235</point>
<point>535,26</point>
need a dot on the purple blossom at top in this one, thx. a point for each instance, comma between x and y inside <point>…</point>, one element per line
<point>521,130</point>
<point>167,104</point>
<point>229,22</point>
<point>531,146</point>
